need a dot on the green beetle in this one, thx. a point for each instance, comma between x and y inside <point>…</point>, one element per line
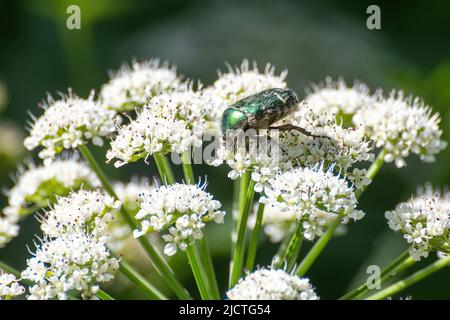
<point>261,110</point>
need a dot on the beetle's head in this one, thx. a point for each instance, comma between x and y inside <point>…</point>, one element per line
<point>233,119</point>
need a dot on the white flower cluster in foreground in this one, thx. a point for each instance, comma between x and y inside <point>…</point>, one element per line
<point>311,196</point>
<point>424,221</point>
<point>69,122</point>
<point>133,85</point>
<point>9,286</point>
<point>38,186</point>
<point>402,126</point>
<point>82,210</point>
<point>73,261</point>
<point>73,254</point>
<point>181,209</point>
<point>268,284</point>
<point>170,122</point>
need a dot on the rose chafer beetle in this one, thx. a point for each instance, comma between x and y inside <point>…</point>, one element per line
<point>261,111</point>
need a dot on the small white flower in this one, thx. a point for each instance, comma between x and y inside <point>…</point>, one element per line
<point>402,126</point>
<point>68,123</point>
<point>9,286</point>
<point>81,210</point>
<point>424,221</point>
<point>337,99</point>
<point>181,209</point>
<point>268,284</point>
<point>73,261</point>
<point>36,186</point>
<point>311,196</point>
<point>9,229</point>
<point>133,85</point>
<point>167,123</point>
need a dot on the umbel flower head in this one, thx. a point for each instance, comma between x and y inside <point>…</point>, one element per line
<point>69,122</point>
<point>424,221</point>
<point>402,125</point>
<point>133,85</point>
<point>9,286</point>
<point>73,261</point>
<point>37,186</point>
<point>338,99</point>
<point>269,284</point>
<point>171,122</point>
<point>311,196</point>
<point>89,210</point>
<point>181,209</point>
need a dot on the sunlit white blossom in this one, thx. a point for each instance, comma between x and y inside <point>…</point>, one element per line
<point>9,286</point>
<point>89,210</point>
<point>311,196</point>
<point>69,122</point>
<point>424,221</point>
<point>268,284</point>
<point>9,228</point>
<point>183,210</point>
<point>402,125</point>
<point>73,261</point>
<point>133,85</point>
<point>167,123</point>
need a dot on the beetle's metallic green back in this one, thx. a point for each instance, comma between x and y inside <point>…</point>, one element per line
<point>261,109</point>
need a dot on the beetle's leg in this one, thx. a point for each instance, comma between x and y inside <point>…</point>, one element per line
<point>286,127</point>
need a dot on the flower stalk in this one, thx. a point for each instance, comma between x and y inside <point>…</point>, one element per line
<point>155,257</point>
<point>253,245</point>
<point>412,279</point>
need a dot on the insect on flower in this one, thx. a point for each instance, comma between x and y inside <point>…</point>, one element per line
<point>261,111</point>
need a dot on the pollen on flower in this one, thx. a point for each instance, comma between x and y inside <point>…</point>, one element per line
<point>69,122</point>
<point>9,286</point>
<point>181,209</point>
<point>133,85</point>
<point>402,125</point>
<point>73,261</point>
<point>269,284</point>
<point>311,196</point>
<point>424,222</point>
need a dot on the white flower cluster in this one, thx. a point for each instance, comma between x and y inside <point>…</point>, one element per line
<point>133,85</point>
<point>9,286</point>
<point>402,125</point>
<point>73,261</point>
<point>73,254</point>
<point>182,209</point>
<point>167,123</point>
<point>313,197</point>
<point>82,210</point>
<point>337,99</point>
<point>268,284</point>
<point>37,187</point>
<point>424,221</point>
<point>69,122</point>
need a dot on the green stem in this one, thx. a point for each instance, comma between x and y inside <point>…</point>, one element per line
<point>318,247</point>
<point>239,250</point>
<point>278,260</point>
<point>401,263</point>
<point>102,295</point>
<point>187,168</point>
<point>135,277</point>
<point>412,279</point>
<point>209,276</point>
<point>8,269</point>
<point>164,169</point>
<point>293,249</point>
<point>198,271</point>
<point>288,247</point>
<point>156,259</point>
<point>253,245</point>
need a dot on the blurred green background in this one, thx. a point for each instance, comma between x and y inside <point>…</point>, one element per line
<point>312,39</point>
